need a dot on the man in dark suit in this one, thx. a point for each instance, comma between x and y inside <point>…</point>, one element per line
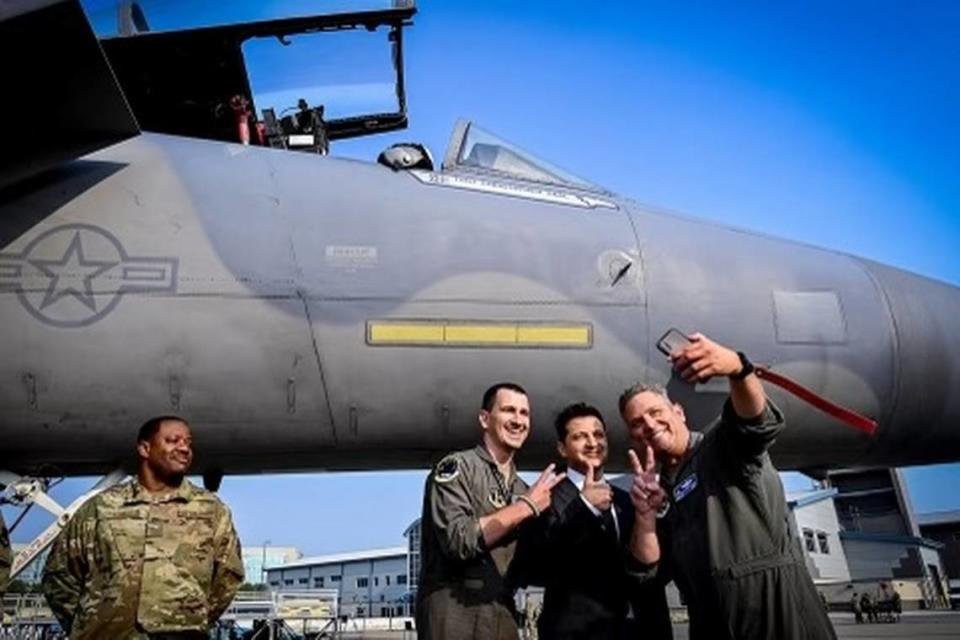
<point>585,546</point>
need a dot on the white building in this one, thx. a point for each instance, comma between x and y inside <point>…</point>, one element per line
<point>814,520</point>
<point>884,552</point>
<point>257,558</point>
<point>371,583</point>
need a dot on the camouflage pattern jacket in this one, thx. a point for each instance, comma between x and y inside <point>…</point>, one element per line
<point>130,563</point>
<point>5,556</point>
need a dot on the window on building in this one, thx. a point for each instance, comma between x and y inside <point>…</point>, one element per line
<point>823,542</point>
<point>334,578</point>
<point>318,582</point>
<point>274,583</point>
<point>384,612</point>
<point>288,582</point>
<point>304,581</point>
<point>401,578</point>
<point>809,540</point>
<point>387,578</point>
<point>376,581</point>
<point>363,582</point>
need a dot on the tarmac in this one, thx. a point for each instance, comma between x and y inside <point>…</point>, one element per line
<point>913,625</point>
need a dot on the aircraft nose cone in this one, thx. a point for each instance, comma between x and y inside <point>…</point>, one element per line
<point>925,416</point>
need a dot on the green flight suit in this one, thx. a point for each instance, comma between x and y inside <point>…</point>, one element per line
<point>728,542</point>
<point>466,589</point>
<point>131,565</point>
<point>6,557</point>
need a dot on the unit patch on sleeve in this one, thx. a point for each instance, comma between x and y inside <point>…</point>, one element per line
<point>446,470</point>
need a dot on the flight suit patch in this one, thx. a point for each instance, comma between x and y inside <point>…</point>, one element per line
<point>497,500</point>
<point>446,470</point>
<point>684,489</point>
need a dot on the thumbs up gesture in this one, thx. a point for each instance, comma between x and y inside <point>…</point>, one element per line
<point>597,493</point>
<point>646,493</point>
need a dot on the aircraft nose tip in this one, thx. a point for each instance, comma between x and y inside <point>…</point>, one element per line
<point>926,325</point>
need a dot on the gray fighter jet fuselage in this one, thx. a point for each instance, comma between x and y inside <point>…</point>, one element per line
<point>308,312</point>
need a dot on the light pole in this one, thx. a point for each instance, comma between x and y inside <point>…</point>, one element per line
<point>263,563</point>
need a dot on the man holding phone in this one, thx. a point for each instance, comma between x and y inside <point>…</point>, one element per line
<point>724,532</point>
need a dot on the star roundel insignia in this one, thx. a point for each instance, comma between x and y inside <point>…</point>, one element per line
<point>446,470</point>
<point>73,275</point>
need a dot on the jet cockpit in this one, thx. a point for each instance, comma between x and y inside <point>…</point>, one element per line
<point>244,72</point>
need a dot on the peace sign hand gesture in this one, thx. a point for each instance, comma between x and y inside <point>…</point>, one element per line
<point>646,493</point>
<point>539,493</point>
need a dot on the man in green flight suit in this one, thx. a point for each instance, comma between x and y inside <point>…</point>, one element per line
<point>724,532</point>
<point>152,558</point>
<point>6,558</point>
<point>473,503</point>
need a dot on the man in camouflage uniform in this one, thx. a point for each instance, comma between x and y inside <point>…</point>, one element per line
<point>473,503</point>
<point>5,557</point>
<point>153,558</point>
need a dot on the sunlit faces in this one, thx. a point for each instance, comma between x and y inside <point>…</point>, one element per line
<point>507,424</point>
<point>585,444</point>
<point>654,420</point>
<point>169,452</point>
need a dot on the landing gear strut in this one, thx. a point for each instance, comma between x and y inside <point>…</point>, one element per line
<point>26,491</point>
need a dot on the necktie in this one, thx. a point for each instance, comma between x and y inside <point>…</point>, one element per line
<point>609,526</point>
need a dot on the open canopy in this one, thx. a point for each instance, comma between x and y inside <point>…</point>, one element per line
<point>183,66</point>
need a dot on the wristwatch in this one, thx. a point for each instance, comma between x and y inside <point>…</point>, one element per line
<point>746,367</point>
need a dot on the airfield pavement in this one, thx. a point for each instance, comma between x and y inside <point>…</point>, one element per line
<point>915,625</point>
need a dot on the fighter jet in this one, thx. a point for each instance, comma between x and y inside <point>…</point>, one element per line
<point>173,242</point>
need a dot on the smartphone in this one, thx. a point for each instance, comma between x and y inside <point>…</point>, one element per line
<point>672,342</point>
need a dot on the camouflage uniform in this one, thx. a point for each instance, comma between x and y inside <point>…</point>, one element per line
<point>130,565</point>
<point>5,557</point>
<point>465,590</point>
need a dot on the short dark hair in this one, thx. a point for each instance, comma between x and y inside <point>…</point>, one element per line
<point>152,426</point>
<point>490,395</point>
<point>573,411</point>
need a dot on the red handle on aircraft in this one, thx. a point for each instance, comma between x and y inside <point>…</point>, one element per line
<point>851,418</point>
<point>242,112</point>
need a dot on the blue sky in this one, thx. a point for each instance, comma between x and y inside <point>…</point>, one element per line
<point>827,123</point>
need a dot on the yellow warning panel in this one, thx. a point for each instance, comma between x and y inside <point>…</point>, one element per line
<point>404,333</point>
<point>495,334</point>
<point>479,333</point>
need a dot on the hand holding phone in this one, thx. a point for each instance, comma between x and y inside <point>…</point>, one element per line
<point>672,342</point>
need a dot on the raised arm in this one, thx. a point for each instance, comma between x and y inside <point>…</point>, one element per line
<point>703,359</point>
<point>647,496</point>
<point>535,501</point>
<point>751,422</point>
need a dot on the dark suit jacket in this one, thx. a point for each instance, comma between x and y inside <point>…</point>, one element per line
<point>585,568</point>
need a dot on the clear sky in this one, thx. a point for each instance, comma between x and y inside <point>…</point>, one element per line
<point>828,123</point>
